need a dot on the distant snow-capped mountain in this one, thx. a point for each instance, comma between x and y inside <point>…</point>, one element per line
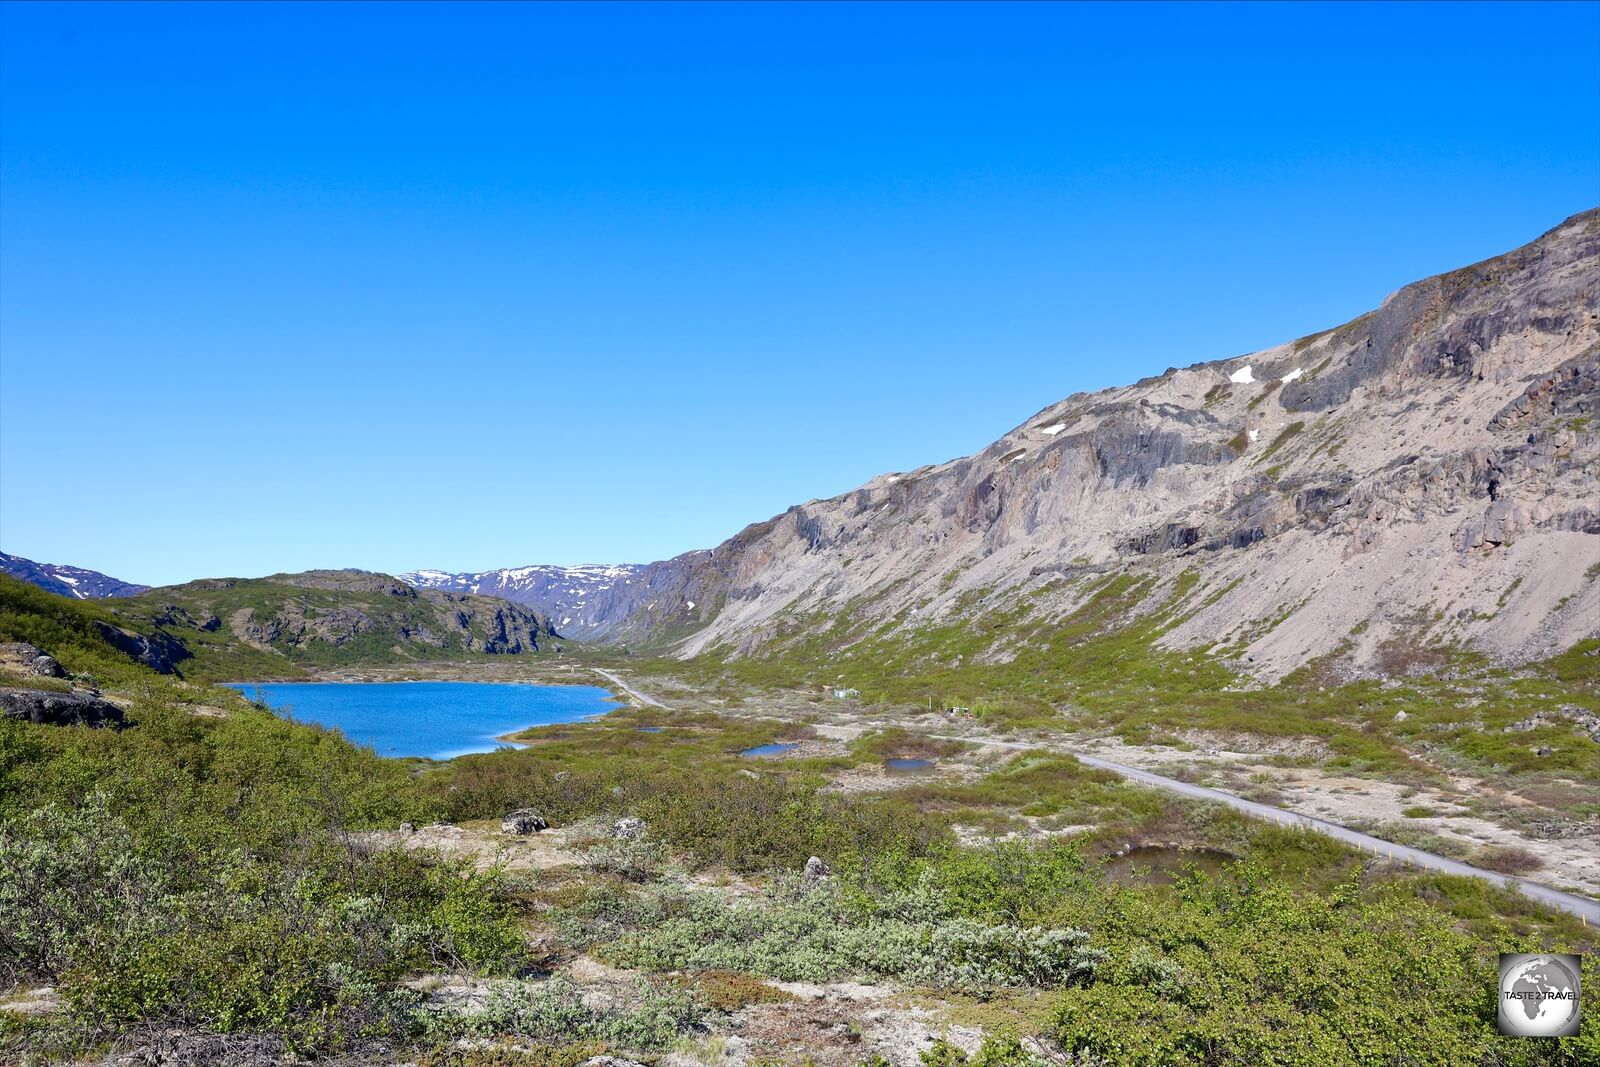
<point>581,602</point>
<point>78,582</point>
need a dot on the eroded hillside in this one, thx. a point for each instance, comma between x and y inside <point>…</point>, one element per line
<point>1423,476</point>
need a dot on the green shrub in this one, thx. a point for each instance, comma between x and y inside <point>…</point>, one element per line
<point>555,1012</point>
<point>999,1050</point>
<point>1244,969</point>
<point>710,813</point>
<point>803,931</point>
<point>305,945</point>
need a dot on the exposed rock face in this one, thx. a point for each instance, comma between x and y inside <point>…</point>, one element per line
<point>77,582</point>
<point>1433,466</point>
<point>59,709</point>
<point>522,822</point>
<point>159,651</point>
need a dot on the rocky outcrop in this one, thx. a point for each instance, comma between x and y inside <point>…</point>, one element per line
<point>1570,389</point>
<point>29,659</point>
<point>49,708</point>
<point>522,822</point>
<point>159,651</point>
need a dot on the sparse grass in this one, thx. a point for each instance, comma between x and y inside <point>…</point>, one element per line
<point>1507,859</point>
<point>1266,391</point>
<point>1285,435</point>
<point>731,991</point>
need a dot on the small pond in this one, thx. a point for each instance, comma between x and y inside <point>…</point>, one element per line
<point>908,766</point>
<point>651,729</point>
<point>777,748</point>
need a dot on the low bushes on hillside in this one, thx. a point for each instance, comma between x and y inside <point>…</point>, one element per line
<point>801,931</point>
<point>302,944</point>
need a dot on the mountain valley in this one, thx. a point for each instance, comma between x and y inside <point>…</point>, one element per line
<point>1426,476</point>
<point>1038,756</point>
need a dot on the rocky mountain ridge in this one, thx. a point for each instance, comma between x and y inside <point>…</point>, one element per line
<point>1427,475</point>
<point>584,602</point>
<point>63,580</point>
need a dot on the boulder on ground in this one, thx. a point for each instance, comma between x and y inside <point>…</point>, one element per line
<point>628,828</point>
<point>59,709</point>
<point>815,868</point>
<point>523,821</point>
<point>32,659</point>
<point>46,667</point>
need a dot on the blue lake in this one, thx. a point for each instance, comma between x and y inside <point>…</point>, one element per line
<point>436,719</point>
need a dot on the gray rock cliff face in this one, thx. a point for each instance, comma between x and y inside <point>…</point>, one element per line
<point>1438,458</point>
<point>158,651</point>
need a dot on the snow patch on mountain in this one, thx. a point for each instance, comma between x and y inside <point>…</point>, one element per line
<point>587,598</point>
<point>63,580</point>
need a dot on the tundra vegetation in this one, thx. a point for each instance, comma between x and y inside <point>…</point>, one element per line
<point>215,873</point>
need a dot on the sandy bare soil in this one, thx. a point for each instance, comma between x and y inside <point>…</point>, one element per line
<point>1373,806</point>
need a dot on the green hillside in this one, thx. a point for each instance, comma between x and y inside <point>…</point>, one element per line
<point>274,627</point>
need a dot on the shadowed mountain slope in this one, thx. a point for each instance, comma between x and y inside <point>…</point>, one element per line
<point>63,580</point>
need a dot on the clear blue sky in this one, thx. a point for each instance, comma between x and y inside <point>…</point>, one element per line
<point>293,286</point>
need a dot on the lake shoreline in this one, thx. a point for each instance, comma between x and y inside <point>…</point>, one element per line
<point>432,719</point>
